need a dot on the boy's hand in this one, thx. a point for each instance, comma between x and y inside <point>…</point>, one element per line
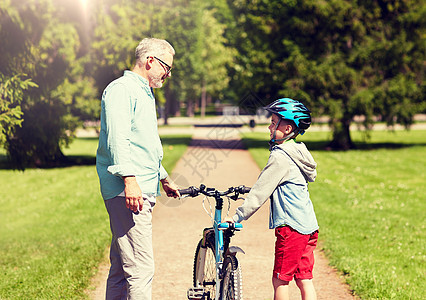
<point>228,220</point>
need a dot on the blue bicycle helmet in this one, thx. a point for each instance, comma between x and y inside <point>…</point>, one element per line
<point>293,110</point>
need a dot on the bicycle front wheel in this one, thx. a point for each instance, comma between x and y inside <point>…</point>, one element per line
<point>232,283</point>
<point>205,268</point>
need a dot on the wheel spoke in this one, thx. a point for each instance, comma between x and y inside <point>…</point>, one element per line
<point>205,269</point>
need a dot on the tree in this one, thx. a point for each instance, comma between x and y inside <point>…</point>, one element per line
<point>216,57</point>
<point>203,53</point>
<point>341,58</point>
<point>192,29</point>
<point>184,31</point>
<point>112,52</point>
<point>118,28</point>
<point>36,42</point>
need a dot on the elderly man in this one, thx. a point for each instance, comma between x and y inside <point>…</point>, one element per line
<point>128,162</point>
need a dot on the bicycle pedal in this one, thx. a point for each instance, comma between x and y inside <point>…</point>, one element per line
<point>196,293</point>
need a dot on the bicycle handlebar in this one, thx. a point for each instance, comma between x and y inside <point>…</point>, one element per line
<point>192,191</point>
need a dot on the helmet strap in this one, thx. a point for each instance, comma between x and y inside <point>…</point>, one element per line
<point>273,141</point>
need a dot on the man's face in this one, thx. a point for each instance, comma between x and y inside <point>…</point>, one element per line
<point>160,70</point>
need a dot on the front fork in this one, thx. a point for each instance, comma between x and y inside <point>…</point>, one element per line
<point>222,240</point>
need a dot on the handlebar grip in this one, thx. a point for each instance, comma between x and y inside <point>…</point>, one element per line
<point>191,191</point>
<point>244,189</point>
<point>185,191</point>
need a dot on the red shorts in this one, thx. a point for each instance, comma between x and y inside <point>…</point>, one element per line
<point>294,254</point>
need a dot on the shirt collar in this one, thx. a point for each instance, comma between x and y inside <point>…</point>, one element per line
<point>137,77</point>
<point>140,80</point>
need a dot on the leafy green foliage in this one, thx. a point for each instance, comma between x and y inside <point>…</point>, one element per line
<point>216,55</point>
<point>112,51</point>
<point>11,94</point>
<point>202,53</point>
<point>341,58</point>
<point>57,94</point>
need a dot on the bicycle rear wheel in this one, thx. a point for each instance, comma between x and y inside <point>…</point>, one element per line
<point>205,268</point>
<point>232,283</point>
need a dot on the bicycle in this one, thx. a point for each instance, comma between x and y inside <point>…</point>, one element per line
<point>217,272</point>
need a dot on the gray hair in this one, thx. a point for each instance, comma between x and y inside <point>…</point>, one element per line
<point>151,47</point>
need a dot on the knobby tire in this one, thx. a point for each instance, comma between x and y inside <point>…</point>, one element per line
<point>232,283</point>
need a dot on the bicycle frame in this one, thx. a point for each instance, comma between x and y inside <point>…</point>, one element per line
<point>222,237</point>
<point>219,227</point>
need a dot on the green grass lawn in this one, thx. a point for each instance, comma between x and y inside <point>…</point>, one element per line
<point>54,228</point>
<point>370,204</point>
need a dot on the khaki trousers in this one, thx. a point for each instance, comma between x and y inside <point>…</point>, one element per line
<point>131,255</point>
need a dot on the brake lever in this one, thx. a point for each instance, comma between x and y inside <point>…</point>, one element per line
<point>235,196</point>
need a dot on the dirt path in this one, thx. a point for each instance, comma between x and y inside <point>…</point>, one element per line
<point>217,159</point>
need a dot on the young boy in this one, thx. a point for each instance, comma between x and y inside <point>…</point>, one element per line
<point>285,181</point>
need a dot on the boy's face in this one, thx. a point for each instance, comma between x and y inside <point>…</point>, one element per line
<point>284,128</point>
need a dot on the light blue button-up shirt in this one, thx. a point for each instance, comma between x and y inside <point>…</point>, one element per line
<point>129,144</point>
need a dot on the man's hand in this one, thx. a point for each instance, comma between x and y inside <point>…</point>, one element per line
<point>171,189</point>
<point>134,200</point>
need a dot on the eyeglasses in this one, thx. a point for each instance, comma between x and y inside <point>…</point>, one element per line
<point>166,66</point>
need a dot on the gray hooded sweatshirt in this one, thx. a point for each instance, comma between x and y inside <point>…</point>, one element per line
<point>285,181</point>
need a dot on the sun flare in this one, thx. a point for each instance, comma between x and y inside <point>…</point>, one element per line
<point>84,5</point>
